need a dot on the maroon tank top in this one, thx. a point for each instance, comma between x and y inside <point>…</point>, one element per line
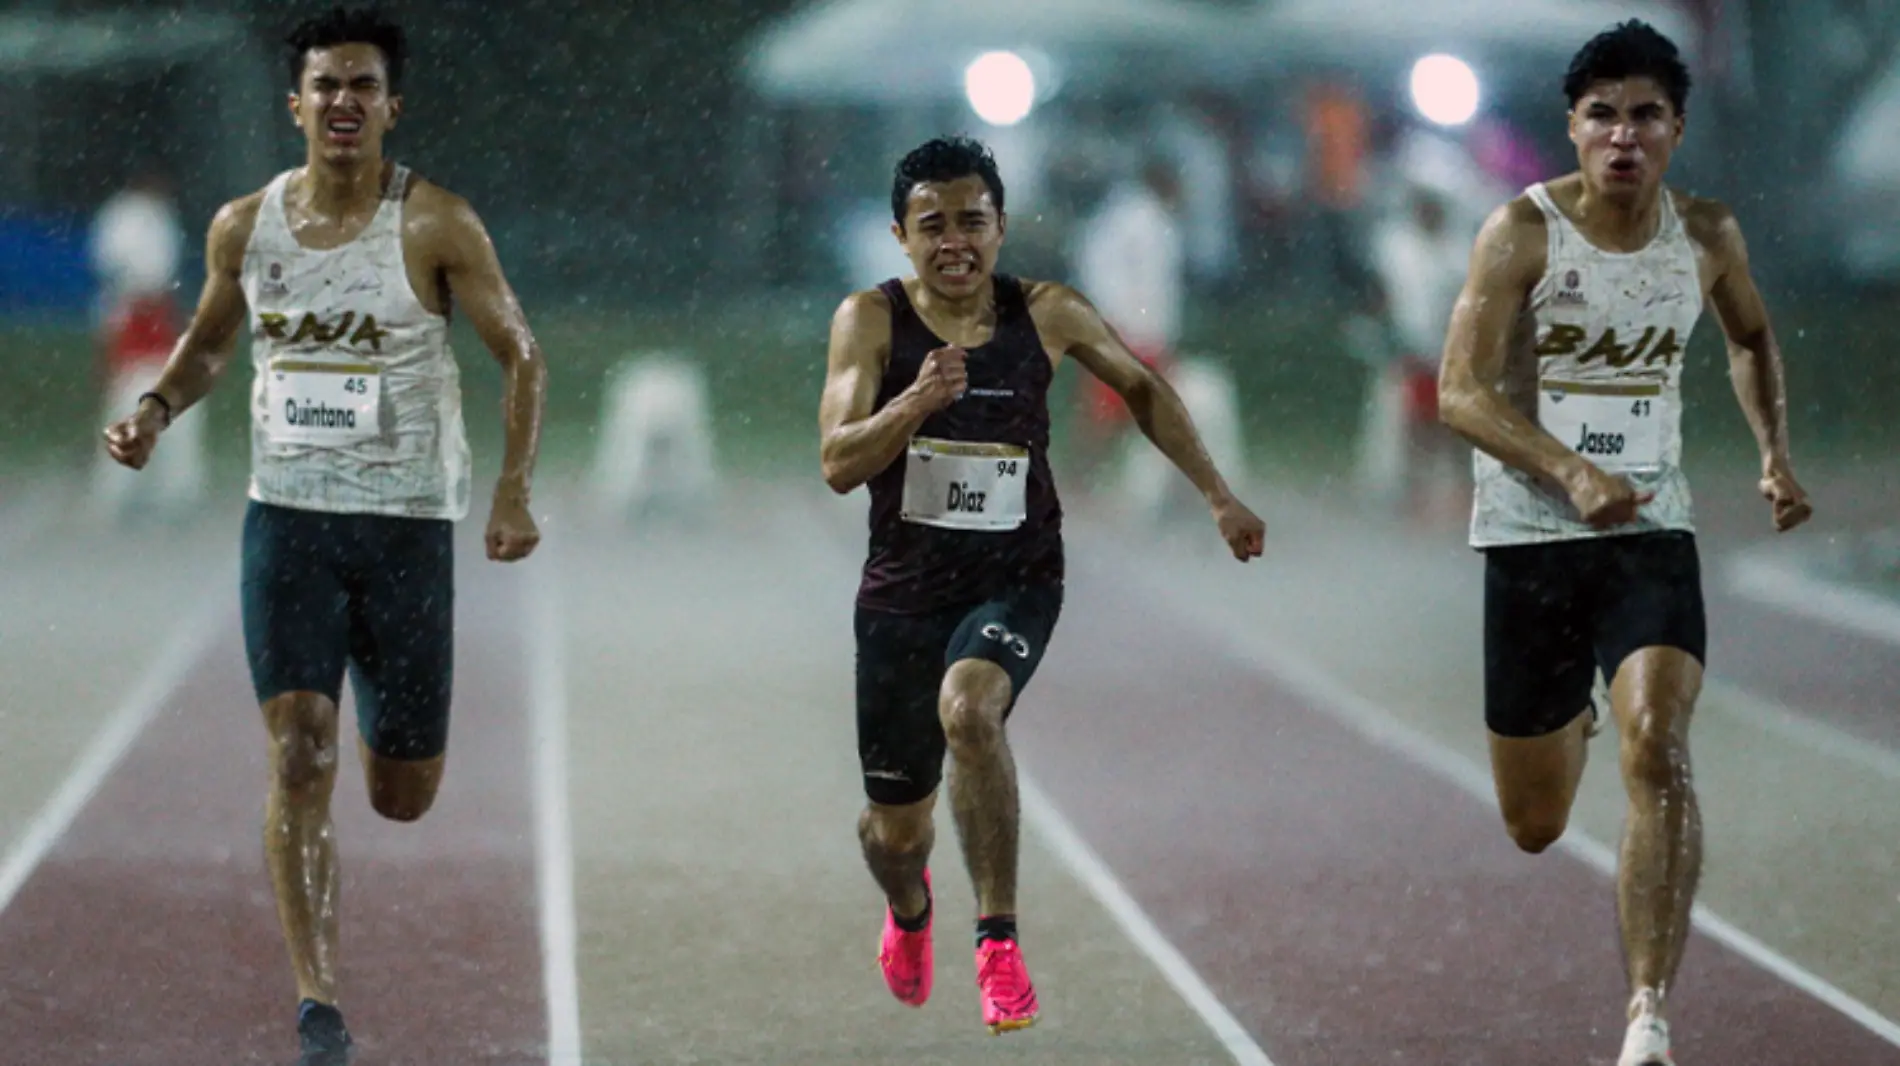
<point>912,568</point>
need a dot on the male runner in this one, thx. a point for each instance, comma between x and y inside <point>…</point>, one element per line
<point>1563,366</point>
<point>348,266</point>
<point>936,397</point>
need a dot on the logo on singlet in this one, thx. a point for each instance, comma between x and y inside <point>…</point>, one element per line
<point>1571,294</point>
<point>310,328</point>
<point>1564,338</point>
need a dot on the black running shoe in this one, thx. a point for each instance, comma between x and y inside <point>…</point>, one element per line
<point>325,1040</point>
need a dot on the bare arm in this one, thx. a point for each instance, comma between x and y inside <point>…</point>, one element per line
<point>209,341</point>
<point>1072,324</point>
<point>1506,262</point>
<point>1754,357</point>
<point>855,444</point>
<point>468,263</point>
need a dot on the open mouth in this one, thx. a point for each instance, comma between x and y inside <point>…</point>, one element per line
<point>957,270</point>
<point>344,127</point>
<point>1625,169</point>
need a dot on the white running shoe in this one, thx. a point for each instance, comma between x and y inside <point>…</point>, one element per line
<point>1646,1043</point>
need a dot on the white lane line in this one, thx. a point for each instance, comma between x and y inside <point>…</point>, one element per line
<point>1088,868</point>
<point>1329,696</point>
<point>1783,586</point>
<point>191,638</point>
<point>554,847</point>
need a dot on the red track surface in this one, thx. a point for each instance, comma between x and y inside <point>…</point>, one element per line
<point>148,937</point>
<point>1346,905</point>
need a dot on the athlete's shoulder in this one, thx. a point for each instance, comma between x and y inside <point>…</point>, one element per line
<point>441,225</point>
<point>428,207</point>
<point>873,302</point>
<point>1054,300</point>
<point>1513,242</point>
<point>233,223</point>
<point>864,315</point>
<point>1709,222</point>
<point>1519,216</point>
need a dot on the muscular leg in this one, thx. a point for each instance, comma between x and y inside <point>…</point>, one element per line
<point>1653,695</point>
<point>975,695</point>
<point>897,842</point>
<point>1536,780</point>
<point>401,790</point>
<point>299,838</point>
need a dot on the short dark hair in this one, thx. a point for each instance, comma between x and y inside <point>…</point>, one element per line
<point>943,159</point>
<point>1632,49</point>
<point>347,25</point>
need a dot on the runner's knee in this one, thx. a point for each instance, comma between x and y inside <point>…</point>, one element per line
<point>1534,826</point>
<point>402,790</point>
<point>303,734</point>
<point>1655,751</point>
<point>972,703</point>
<point>896,830</point>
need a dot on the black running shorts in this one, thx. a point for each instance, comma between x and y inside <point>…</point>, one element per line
<point>375,593</point>
<point>902,659</point>
<point>1554,614</point>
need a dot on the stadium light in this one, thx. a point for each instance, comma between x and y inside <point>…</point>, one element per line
<point>1001,87</point>
<point>1445,89</point>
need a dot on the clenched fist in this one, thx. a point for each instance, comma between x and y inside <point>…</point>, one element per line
<point>942,379</point>
<point>131,439</point>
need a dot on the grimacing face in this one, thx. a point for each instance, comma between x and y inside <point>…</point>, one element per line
<point>1625,131</point>
<point>343,103</point>
<point>952,233</point>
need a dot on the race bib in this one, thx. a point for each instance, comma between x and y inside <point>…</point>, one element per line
<point>953,484</point>
<point>1616,425</point>
<point>322,403</point>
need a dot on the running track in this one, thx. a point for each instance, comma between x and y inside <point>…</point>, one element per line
<point>1345,904</point>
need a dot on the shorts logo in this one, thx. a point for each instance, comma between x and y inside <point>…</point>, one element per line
<point>994,631</point>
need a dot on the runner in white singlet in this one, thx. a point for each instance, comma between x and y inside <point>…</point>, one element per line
<point>1563,367</point>
<point>347,267</point>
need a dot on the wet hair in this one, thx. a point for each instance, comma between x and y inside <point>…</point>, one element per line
<point>1632,49</point>
<point>347,25</point>
<point>943,159</point>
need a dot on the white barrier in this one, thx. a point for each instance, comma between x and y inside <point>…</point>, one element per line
<point>654,449</point>
<point>1150,483</point>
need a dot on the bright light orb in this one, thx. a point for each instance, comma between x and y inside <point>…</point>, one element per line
<point>1001,88</point>
<point>1445,89</point>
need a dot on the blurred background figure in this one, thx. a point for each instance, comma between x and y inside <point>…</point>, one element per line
<point>136,245</point>
<point>1130,261</point>
<point>1409,462</point>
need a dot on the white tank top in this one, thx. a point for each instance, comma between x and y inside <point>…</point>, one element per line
<point>1597,361</point>
<point>357,402</point>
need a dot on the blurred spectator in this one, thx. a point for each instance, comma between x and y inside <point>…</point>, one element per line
<point>136,244</point>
